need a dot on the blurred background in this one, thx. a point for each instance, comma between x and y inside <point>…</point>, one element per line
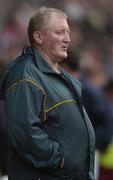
<point>90,54</point>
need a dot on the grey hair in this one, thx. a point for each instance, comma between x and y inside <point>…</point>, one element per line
<point>41,19</point>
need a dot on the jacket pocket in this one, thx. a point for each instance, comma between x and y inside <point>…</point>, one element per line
<point>68,164</point>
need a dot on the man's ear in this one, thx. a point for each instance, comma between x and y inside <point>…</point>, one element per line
<point>38,37</point>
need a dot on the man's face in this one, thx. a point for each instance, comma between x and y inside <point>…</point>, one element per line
<point>56,39</point>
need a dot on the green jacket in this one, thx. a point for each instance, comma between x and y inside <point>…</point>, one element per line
<point>46,121</point>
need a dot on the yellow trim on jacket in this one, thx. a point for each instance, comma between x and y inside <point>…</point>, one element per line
<point>25,80</point>
<point>58,104</point>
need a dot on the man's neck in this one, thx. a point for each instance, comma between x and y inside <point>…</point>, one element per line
<point>52,63</point>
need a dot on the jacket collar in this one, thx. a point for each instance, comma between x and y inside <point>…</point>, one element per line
<point>41,63</point>
<point>45,67</point>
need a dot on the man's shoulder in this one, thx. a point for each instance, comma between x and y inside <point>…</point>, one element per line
<point>23,67</point>
<point>21,63</point>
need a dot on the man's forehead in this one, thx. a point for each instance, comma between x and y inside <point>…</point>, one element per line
<point>59,19</point>
<point>57,16</point>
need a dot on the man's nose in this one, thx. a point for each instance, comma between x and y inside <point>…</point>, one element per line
<point>67,38</point>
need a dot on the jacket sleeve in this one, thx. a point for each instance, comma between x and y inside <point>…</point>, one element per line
<point>24,105</point>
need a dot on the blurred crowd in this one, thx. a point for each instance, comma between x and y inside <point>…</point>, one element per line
<point>91,23</point>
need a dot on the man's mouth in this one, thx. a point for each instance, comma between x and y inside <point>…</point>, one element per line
<point>64,48</point>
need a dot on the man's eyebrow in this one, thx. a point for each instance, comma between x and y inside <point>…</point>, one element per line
<point>63,29</point>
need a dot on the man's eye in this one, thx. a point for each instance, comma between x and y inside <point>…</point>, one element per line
<point>59,32</point>
<point>62,32</point>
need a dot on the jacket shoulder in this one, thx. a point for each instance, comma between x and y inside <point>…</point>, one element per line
<point>23,67</point>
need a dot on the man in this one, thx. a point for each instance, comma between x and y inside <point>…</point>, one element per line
<point>50,135</point>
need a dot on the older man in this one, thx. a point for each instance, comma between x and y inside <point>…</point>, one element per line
<point>50,135</point>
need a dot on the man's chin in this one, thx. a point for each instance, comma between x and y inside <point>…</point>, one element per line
<point>63,55</point>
